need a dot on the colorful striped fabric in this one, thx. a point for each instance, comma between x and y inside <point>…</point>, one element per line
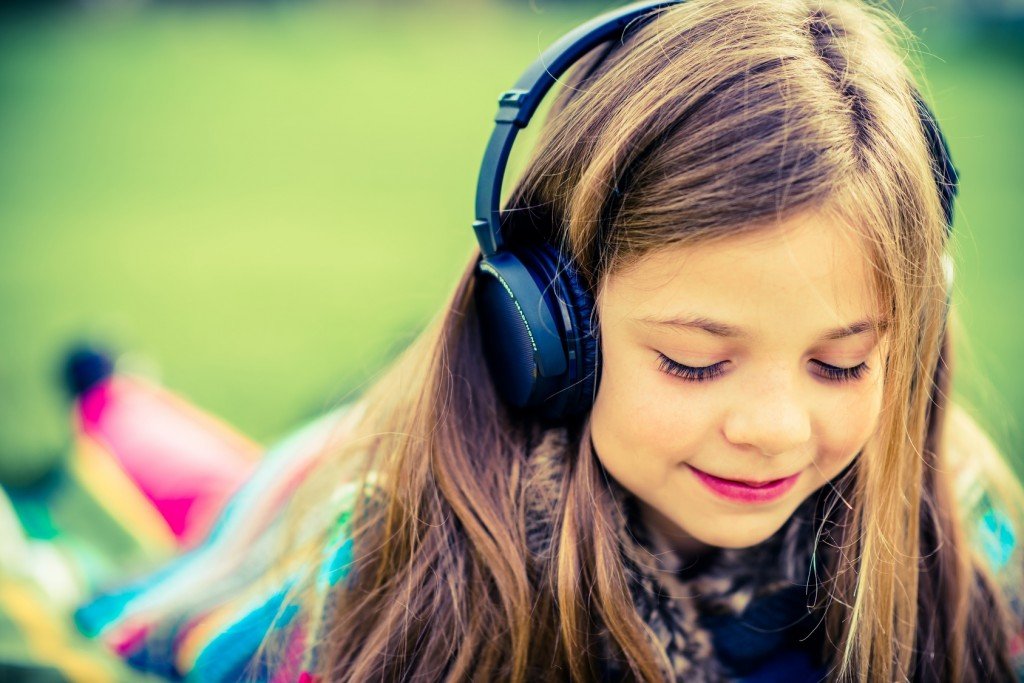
<point>38,642</point>
<point>202,616</point>
<point>156,489</point>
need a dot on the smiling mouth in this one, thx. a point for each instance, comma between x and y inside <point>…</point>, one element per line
<point>754,483</point>
<point>746,482</point>
<point>746,491</point>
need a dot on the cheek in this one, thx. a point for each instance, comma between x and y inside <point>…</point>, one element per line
<point>643,422</point>
<point>847,427</point>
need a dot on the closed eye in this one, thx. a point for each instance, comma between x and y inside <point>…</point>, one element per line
<point>689,373</point>
<point>710,372</point>
<point>834,374</point>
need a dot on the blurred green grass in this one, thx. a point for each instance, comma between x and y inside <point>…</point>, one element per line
<point>265,202</point>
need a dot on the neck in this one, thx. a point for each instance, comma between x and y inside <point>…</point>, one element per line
<point>665,535</point>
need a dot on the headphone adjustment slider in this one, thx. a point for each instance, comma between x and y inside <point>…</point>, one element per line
<point>510,107</point>
<point>485,237</point>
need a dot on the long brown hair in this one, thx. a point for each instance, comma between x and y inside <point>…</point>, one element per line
<point>715,116</point>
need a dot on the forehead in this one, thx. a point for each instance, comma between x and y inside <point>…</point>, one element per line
<point>806,270</point>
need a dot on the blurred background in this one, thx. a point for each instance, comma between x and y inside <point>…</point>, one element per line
<point>262,202</point>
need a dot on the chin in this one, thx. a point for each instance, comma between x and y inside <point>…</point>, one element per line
<point>733,533</point>
<point>738,542</point>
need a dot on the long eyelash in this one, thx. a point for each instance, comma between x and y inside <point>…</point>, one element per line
<point>835,374</point>
<point>703,374</point>
<point>688,373</point>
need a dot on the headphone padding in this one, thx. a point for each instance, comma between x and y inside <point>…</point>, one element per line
<point>583,310</point>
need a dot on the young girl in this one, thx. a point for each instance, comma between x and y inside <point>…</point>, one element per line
<point>760,477</point>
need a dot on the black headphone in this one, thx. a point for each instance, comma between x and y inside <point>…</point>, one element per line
<point>534,311</point>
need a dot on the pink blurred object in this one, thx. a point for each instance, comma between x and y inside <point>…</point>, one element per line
<point>184,461</point>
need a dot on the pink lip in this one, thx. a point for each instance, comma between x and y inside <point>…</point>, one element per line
<point>744,492</point>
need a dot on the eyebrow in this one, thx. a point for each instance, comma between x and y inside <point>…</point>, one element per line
<point>720,329</point>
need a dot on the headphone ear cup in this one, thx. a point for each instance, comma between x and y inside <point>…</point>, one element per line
<point>521,339</point>
<point>573,306</point>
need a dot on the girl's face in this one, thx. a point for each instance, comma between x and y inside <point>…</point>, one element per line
<point>751,359</point>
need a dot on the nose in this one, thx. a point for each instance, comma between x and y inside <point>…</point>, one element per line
<point>771,418</point>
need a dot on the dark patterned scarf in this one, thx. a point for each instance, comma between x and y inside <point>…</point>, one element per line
<point>717,617</point>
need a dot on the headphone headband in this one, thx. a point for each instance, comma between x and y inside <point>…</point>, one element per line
<point>517,106</point>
